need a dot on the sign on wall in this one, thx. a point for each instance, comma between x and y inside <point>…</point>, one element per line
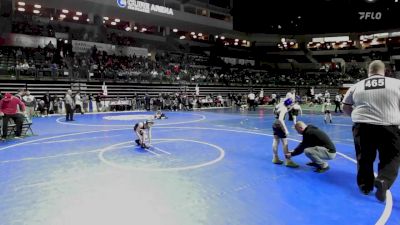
<point>370,15</point>
<point>28,41</point>
<point>144,7</point>
<point>85,46</point>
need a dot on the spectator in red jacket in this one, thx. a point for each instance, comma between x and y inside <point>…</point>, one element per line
<point>9,110</point>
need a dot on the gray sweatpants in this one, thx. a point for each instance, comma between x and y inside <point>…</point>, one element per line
<point>318,153</point>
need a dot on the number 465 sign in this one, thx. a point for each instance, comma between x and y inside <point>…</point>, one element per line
<point>374,83</point>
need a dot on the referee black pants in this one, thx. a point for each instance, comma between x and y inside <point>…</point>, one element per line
<point>252,105</point>
<point>69,112</point>
<point>337,107</point>
<point>370,139</point>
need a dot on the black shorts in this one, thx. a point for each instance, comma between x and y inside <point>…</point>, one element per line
<point>327,111</point>
<point>135,127</point>
<point>278,131</point>
<point>295,112</point>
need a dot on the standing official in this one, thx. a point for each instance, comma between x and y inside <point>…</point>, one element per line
<point>374,106</point>
<point>251,99</point>
<point>69,106</point>
<point>337,103</point>
<point>30,103</point>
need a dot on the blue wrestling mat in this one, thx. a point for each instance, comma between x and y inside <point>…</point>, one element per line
<point>209,167</point>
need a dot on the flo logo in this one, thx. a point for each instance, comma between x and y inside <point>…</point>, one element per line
<point>370,15</point>
<point>121,3</point>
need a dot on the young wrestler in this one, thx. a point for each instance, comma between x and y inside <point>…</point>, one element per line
<point>143,132</point>
<point>326,109</point>
<point>280,133</point>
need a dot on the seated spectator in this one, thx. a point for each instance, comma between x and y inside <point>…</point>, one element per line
<point>8,110</point>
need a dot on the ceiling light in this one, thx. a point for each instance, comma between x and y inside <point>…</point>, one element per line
<point>222,38</point>
<point>21,3</point>
<point>192,33</point>
<point>144,29</point>
<point>135,27</point>
<point>87,20</point>
<point>75,18</point>
<point>216,36</point>
<point>113,23</point>
<point>65,11</point>
<point>236,43</point>
<point>62,16</point>
<point>283,40</point>
<point>79,13</point>
<point>21,9</point>
<point>175,30</point>
<point>244,41</point>
<point>117,20</point>
<point>299,17</point>
<point>291,43</point>
<point>66,41</point>
<point>37,6</point>
<point>194,36</point>
<point>128,28</point>
<point>200,35</point>
<point>236,40</point>
<point>182,37</point>
<point>51,18</point>
<point>36,11</point>
<point>106,18</point>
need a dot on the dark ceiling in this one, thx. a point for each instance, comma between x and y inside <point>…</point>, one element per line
<point>314,16</point>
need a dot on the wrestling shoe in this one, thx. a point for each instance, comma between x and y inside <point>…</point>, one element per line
<point>321,170</point>
<point>137,141</point>
<point>312,164</point>
<point>277,161</point>
<point>291,164</point>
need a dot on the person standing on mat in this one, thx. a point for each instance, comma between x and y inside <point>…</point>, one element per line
<point>374,106</point>
<point>316,145</point>
<point>69,106</point>
<point>280,133</point>
<point>296,109</point>
<point>326,109</point>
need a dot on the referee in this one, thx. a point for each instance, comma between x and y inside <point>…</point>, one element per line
<point>374,106</point>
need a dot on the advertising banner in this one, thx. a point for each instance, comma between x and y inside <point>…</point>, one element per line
<point>28,41</point>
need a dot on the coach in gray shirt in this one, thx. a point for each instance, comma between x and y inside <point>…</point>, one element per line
<point>374,106</point>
